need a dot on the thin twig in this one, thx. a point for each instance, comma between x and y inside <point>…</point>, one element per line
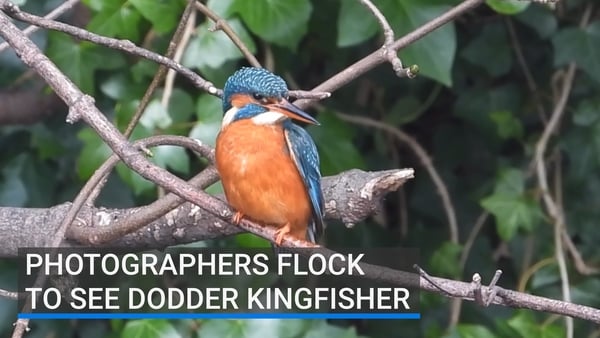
<point>369,62</point>
<point>9,294</point>
<point>175,41</point>
<point>124,45</point>
<point>187,26</point>
<point>387,50</point>
<point>58,11</point>
<point>531,270</point>
<point>456,305</point>
<point>302,94</point>
<point>555,210</point>
<point>477,293</point>
<point>429,279</point>
<point>425,161</point>
<point>221,24</point>
<point>492,287</point>
<point>479,223</point>
<point>525,68</point>
<point>151,212</point>
<point>580,265</point>
<point>146,98</point>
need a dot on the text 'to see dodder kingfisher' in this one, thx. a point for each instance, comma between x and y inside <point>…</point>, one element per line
<point>269,166</point>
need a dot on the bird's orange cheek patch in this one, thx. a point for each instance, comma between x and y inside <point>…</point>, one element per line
<point>239,100</point>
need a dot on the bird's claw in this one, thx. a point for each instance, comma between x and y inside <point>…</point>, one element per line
<point>284,230</point>
<point>237,218</point>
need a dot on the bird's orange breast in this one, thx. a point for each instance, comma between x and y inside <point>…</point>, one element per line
<point>260,178</point>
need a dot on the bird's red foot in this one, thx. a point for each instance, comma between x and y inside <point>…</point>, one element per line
<point>237,218</point>
<point>284,230</point>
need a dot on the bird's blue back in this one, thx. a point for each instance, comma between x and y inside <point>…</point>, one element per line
<point>304,153</point>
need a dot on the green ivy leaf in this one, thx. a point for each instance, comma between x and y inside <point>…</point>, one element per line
<point>512,209</point>
<point>541,19</point>
<point>507,124</point>
<point>215,189</point>
<point>289,328</point>
<point>322,329</point>
<point>509,7</point>
<point>222,328</point>
<point>434,53</point>
<point>115,86</point>
<point>587,112</point>
<point>582,147</point>
<point>173,157</point>
<point>181,106</point>
<point>209,115</point>
<point>155,116</point>
<point>496,61</point>
<point>581,46</point>
<point>251,241</point>
<point>446,260</point>
<point>474,331</point>
<point>252,328</point>
<point>213,49</point>
<point>510,182</point>
<point>349,33</point>
<point>337,152</point>
<point>164,14</point>
<point>283,23</point>
<point>222,8</point>
<point>116,18</point>
<point>149,328</point>
<point>524,323</point>
<point>79,61</point>
<point>143,70</point>
<point>45,142</point>
<point>93,154</point>
<point>406,109</point>
<point>139,184</point>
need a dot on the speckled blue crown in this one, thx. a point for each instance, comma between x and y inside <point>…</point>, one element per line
<point>251,80</point>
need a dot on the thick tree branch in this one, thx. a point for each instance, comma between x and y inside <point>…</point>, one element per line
<point>350,196</point>
<point>181,225</point>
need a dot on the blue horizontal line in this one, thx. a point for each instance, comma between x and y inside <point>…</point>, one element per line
<point>242,315</point>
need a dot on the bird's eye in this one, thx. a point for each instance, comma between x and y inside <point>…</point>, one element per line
<point>260,98</point>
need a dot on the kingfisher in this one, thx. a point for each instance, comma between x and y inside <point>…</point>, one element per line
<point>269,166</point>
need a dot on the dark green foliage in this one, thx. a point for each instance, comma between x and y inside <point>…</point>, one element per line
<point>471,108</point>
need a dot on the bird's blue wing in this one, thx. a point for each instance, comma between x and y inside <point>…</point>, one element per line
<point>304,153</point>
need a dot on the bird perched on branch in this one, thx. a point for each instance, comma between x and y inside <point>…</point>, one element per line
<point>269,166</point>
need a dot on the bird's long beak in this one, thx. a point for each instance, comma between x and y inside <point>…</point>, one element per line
<point>287,108</point>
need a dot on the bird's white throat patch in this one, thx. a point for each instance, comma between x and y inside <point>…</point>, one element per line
<point>229,116</point>
<point>269,117</point>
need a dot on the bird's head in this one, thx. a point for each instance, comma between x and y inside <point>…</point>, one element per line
<point>257,94</point>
